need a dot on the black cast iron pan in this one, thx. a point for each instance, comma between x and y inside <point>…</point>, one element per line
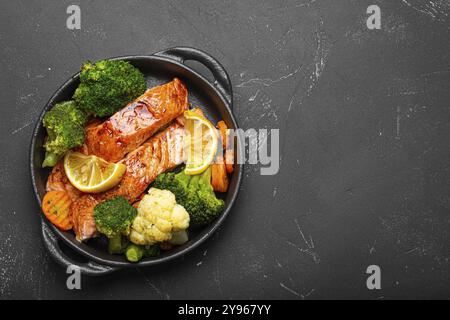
<point>215,98</point>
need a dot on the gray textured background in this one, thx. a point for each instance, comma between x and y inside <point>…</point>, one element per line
<point>364,120</point>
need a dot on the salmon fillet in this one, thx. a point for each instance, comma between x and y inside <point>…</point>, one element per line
<point>139,120</point>
<point>160,153</point>
<point>58,181</point>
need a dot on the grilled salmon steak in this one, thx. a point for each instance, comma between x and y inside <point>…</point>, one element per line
<point>162,152</point>
<point>128,128</point>
<point>58,181</point>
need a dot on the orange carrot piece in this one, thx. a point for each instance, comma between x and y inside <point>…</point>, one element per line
<point>229,160</point>
<point>223,132</point>
<point>56,207</point>
<point>219,178</point>
<point>227,145</point>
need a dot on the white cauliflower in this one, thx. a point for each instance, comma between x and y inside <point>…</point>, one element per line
<point>158,217</point>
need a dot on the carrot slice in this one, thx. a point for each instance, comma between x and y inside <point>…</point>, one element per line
<point>56,207</point>
<point>229,152</point>
<point>223,132</point>
<point>227,145</point>
<point>229,160</point>
<point>219,178</point>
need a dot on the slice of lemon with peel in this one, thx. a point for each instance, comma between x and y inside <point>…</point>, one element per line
<point>92,174</point>
<point>201,142</point>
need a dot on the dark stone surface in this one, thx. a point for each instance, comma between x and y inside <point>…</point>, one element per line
<point>364,122</point>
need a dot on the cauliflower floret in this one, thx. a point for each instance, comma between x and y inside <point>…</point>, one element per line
<point>158,217</point>
<point>180,218</point>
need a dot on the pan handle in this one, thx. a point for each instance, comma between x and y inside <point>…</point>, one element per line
<point>89,269</point>
<point>222,80</point>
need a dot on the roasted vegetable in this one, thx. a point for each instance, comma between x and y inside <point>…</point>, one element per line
<point>65,128</point>
<point>221,125</point>
<point>56,207</point>
<point>113,218</point>
<point>107,86</point>
<point>158,216</point>
<point>227,145</point>
<point>194,193</point>
<point>219,179</point>
<point>212,206</point>
<point>179,238</point>
<point>151,251</point>
<point>134,253</point>
<point>117,244</point>
<point>229,160</point>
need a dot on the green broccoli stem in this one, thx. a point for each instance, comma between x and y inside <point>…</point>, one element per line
<point>134,253</point>
<point>184,178</point>
<point>193,183</point>
<point>205,182</point>
<point>114,216</point>
<point>195,193</point>
<point>50,159</point>
<point>116,244</point>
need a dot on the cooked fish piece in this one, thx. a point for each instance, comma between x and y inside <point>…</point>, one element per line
<point>58,181</point>
<point>162,152</point>
<point>82,211</point>
<point>133,125</point>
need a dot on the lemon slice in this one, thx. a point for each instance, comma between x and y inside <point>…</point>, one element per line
<point>200,144</point>
<point>92,174</point>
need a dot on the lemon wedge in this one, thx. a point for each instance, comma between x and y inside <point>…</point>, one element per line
<point>92,174</point>
<point>200,144</point>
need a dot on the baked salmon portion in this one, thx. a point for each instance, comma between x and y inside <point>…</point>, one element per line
<point>139,120</point>
<point>58,181</point>
<point>160,153</point>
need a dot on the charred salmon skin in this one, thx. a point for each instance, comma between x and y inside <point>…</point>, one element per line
<point>128,128</point>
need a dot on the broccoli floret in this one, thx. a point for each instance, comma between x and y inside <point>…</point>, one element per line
<point>107,86</point>
<point>192,202</point>
<point>194,193</point>
<point>176,183</point>
<point>114,217</point>
<point>117,244</point>
<point>134,253</point>
<point>160,181</point>
<point>180,184</point>
<point>65,128</point>
<point>212,206</point>
<point>152,251</point>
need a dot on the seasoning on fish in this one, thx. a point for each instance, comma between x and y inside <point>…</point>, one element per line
<point>162,152</point>
<point>127,129</point>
